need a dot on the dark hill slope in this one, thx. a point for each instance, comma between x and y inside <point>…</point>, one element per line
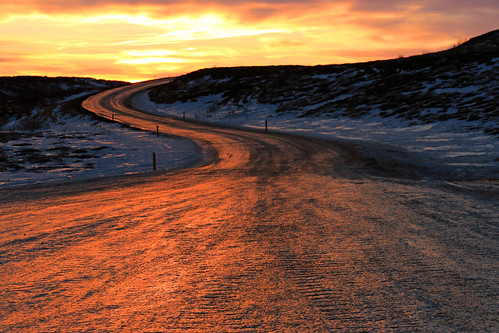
<point>21,95</point>
<point>457,84</point>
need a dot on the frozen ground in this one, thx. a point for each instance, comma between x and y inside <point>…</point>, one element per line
<point>79,147</point>
<point>448,148</point>
<point>256,242</point>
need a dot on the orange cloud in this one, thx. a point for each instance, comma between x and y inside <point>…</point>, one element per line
<point>136,40</point>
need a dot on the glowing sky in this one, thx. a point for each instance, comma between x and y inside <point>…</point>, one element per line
<point>137,40</point>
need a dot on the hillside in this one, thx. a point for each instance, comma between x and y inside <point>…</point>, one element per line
<point>27,102</point>
<point>46,135</point>
<point>460,84</point>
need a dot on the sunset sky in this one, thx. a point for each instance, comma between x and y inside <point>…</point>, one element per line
<point>138,40</point>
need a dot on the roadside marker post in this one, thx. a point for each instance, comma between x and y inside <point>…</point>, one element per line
<point>154,161</point>
<point>265,125</point>
<point>113,116</point>
<point>157,131</point>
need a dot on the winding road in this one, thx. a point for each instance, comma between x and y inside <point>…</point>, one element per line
<point>270,232</point>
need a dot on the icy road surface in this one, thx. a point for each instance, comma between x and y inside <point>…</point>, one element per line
<point>272,233</point>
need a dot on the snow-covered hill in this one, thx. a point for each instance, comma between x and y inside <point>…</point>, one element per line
<point>440,108</point>
<point>46,136</point>
<point>458,84</point>
<point>27,102</point>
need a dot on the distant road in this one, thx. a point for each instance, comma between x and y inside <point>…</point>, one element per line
<point>272,232</point>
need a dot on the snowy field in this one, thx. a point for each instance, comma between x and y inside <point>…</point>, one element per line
<point>79,147</point>
<point>82,148</point>
<point>448,147</point>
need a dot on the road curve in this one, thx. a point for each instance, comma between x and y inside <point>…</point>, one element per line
<point>271,232</point>
<point>232,148</point>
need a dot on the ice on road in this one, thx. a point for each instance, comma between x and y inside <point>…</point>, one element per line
<point>272,233</point>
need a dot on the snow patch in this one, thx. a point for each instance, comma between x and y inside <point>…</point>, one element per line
<point>444,144</point>
<point>82,148</point>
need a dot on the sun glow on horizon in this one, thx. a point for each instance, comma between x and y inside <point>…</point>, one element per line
<point>135,43</point>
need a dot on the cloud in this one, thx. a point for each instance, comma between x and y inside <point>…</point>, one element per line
<point>7,56</point>
<point>7,60</point>
<point>132,39</point>
<point>245,11</point>
<point>78,5</point>
<point>431,5</point>
<point>444,15</point>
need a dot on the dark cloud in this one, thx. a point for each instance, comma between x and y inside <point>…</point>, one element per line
<point>381,6</point>
<point>424,5</point>
<point>261,13</point>
<point>458,18</point>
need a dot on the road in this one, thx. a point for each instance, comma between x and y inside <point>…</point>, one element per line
<point>271,232</point>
